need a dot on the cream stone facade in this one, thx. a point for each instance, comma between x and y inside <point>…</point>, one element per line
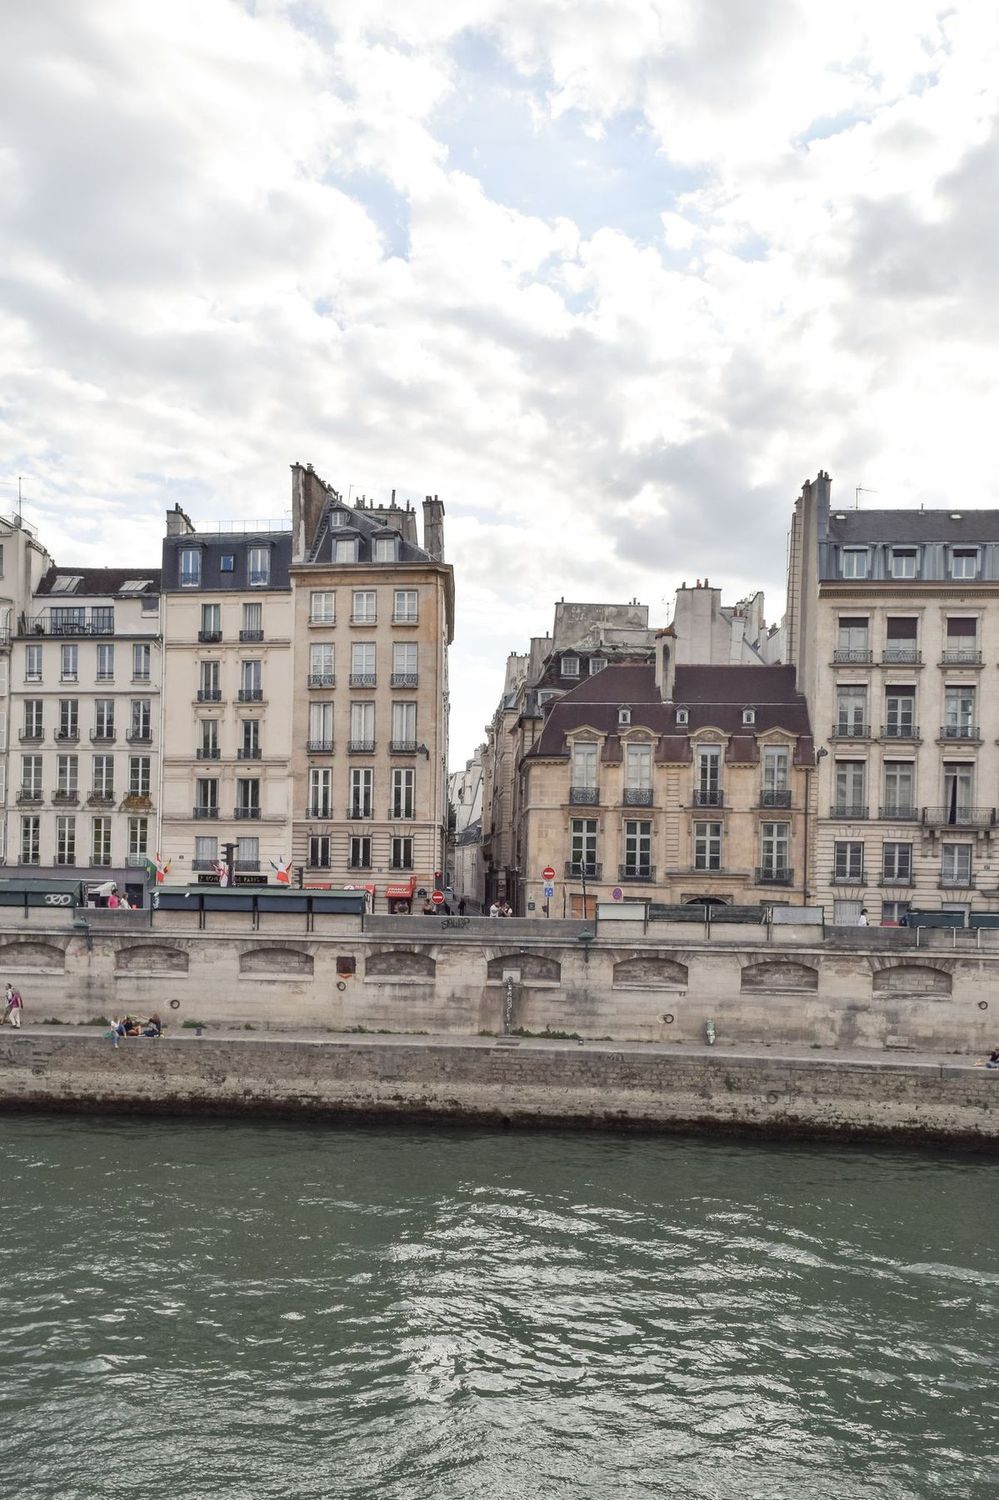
<point>229,700</point>
<point>23,564</point>
<point>893,627</point>
<point>373,618</point>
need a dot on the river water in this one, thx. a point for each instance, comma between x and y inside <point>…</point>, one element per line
<point>226,1310</point>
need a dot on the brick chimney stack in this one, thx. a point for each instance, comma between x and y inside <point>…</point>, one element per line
<point>433,527</point>
<point>308,497</point>
<point>179,522</point>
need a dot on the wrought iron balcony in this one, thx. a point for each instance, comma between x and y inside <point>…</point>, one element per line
<point>251,635</point>
<point>28,736</point>
<point>406,813</point>
<point>401,864</point>
<point>322,679</point>
<point>209,695</point>
<point>959,732</point>
<point>357,864</point>
<point>360,747</point>
<point>246,866</point>
<point>103,736</point>
<point>845,879</point>
<point>709,797</point>
<point>359,810</point>
<point>101,798</point>
<point>364,619</point>
<point>208,752</point>
<point>405,618</point>
<point>950,658</point>
<point>29,794</point>
<point>66,797</point>
<point>901,731</point>
<point>774,797</point>
<point>959,817</point>
<point>848,810</point>
<point>847,729</point>
<point>897,879</point>
<point>404,680</point>
<point>319,747</point>
<point>67,736</point>
<point>246,812</point>
<point>209,637</point>
<point>139,736</point>
<point>322,619</point>
<point>250,695</point>
<point>901,656</point>
<point>637,796</point>
<point>576,869</point>
<point>843,656</point>
<point>956,882</point>
<point>899,812</point>
<point>363,679</point>
<point>402,747</point>
<point>637,872</point>
<point>774,875</point>
<point>584,796</point>
<point>204,864</point>
<point>320,809</point>
<point>48,625</point>
<point>207,810</point>
<point>248,752</point>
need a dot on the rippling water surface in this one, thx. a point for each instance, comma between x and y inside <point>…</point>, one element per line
<point>201,1310</point>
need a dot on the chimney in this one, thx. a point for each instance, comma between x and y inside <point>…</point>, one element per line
<point>179,523</point>
<point>433,527</point>
<point>308,499</point>
<point>665,663</point>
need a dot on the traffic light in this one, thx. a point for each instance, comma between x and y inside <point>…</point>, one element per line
<point>300,875</point>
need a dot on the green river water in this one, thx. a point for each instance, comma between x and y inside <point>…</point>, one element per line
<point>252,1310</point>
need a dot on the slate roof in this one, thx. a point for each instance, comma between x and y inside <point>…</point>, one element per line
<point>100,581</point>
<point>857,527</point>
<point>365,528</point>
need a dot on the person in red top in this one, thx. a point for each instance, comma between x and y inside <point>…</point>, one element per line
<point>13,1007</point>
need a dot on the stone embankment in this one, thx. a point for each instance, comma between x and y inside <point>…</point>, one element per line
<point>531,1082</point>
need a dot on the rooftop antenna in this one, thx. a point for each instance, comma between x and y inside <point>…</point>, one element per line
<point>18,499</point>
<point>861,490</point>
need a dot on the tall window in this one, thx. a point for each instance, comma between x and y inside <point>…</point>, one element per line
<point>638,772</point>
<point>105,662</point>
<point>707,846</point>
<point>141,719</point>
<point>848,860</point>
<point>402,853</point>
<point>69,719</point>
<point>138,836</point>
<point>362,664</point>
<point>362,726</point>
<point>67,776</point>
<point>321,726</point>
<point>207,797</point>
<point>959,791</point>
<point>854,562</point>
<point>637,849</point>
<point>363,607</point>
<point>405,657</point>
<point>851,709</point>
<point>103,776</point>
<point>321,673</point>
<point>403,793</point>
<point>259,566</point>
<point>900,712</point>
<point>850,789</point>
<point>208,747</point>
<point>584,766</point>
<point>583,846</point>
<point>247,797</point>
<point>345,549</point>
<point>31,776</point>
<point>896,862</point>
<point>775,845</point>
<point>103,718</point>
<point>101,849</point>
<point>206,851</point>
<point>955,864</point>
<point>406,606</point>
<point>253,622</point>
<point>853,639</point>
<point>900,645</point>
<point>900,789</point>
<point>33,727</point>
<point>102,620</point>
<point>707,791</point>
<point>141,661</point>
<point>961,644</point>
<point>190,567</point>
<point>360,791</point>
<point>320,792</point>
<point>69,661</point>
<point>210,690</point>
<point>249,744</point>
<point>959,712</point>
<point>251,689</point>
<point>360,852</point>
<point>33,663</point>
<point>66,840</point>
<point>776,769</point>
<point>30,839</point>
<point>320,851</point>
<point>211,622</point>
<point>139,772</point>
<point>322,607</point>
<point>404,725</point>
<point>247,853</point>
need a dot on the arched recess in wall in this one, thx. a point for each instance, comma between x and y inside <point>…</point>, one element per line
<point>42,957</point>
<point>914,980</point>
<point>151,958</point>
<point>275,963</point>
<point>646,971</point>
<point>398,963</point>
<point>533,968</point>
<point>779,977</point>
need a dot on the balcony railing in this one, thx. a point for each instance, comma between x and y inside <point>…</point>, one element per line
<point>139,736</point>
<point>250,695</point>
<point>899,812</point>
<point>951,658</point>
<point>246,866</point>
<point>68,736</point>
<point>406,813</point>
<point>359,810</point>
<point>209,637</point>
<point>709,797</point>
<point>774,875</point>
<point>322,679</point>
<point>208,752</point>
<point>405,618</point>
<point>251,635</point>
<point>400,864</point>
<point>844,878</point>
<point>248,752</point>
<point>360,747</point>
<point>29,794</point>
<point>848,810</point>
<point>774,797</point>
<point>853,657</point>
<point>209,695</point>
<point>46,625</point>
<point>956,882</point>
<point>26,736</point>
<point>402,747</point>
<point>319,747</point>
<point>204,864</point>
<point>637,796</point>
<point>66,796</point>
<point>364,619</point>
<point>905,879</point>
<point>206,811</point>
<point>959,732</point>
<point>576,869</point>
<point>363,679</point>
<point>846,729</point>
<point>900,731</point>
<point>103,736</point>
<point>101,798</point>
<point>355,864</point>
<point>320,810</point>
<point>322,619</point>
<point>901,656</point>
<point>637,872</point>
<point>246,812</point>
<point>959,817</point>
<point>404,680</point>
<point>584,796</point>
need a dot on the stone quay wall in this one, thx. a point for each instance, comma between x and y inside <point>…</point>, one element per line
<point>866,988</point>
<point>534,1083</point>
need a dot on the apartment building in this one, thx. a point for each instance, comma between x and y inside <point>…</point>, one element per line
<point>85,680</point>
<point>677,783</point>
<point>229,699</point>
<point>23,563</point>
<point>373,618</point>
<point>894,632</point>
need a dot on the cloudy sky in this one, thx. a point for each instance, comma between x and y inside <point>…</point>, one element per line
<point>612,277</point>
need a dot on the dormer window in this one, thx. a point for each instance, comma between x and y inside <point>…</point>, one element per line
<point>749,715</point>
<point>190,567</point>
<point>964,562</point>
<point>682,717</point>
<point>258,567</point>
<point>904,562</point>
<point>624,716</point>
<point>338,518</point>
<point>570,666</point>
<point>385,549</point>
<point>345,550</point>
<point>597,664</point>
<point>854,562</point>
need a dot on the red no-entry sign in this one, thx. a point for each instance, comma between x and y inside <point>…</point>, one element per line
<point>437,898</point>
<point>548,873</point>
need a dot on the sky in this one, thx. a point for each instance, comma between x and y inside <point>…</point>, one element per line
<point>610,277</point>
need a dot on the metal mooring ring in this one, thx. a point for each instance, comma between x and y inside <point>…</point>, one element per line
<point>175,1005</point>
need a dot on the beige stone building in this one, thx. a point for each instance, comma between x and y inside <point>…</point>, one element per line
<point>228,700</point>
<point>893,628</point>
<point>373,618</point>
<point>676,783</point>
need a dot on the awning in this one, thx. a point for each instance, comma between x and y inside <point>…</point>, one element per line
<point>371,889</point>
<point>401,892</point>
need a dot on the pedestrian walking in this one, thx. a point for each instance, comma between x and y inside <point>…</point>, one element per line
<point>461,907</point>
<point>13,1006</point>
<point>494,910</point>
<point>862,919</point>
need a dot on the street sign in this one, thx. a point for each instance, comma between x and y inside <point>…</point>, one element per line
<point>548,873</point>
<point>617,893</point>
<point>438,898</point>
<point>549,892</point>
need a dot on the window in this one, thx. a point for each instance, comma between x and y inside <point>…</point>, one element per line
<point>854,562</point>
<point>247,797</point>
<point>105,663</point>
<point>707,772</point>
<point>227,563</point>
<point>584,767</point>
<point>959,713</point>
<point>345,549</point>
<point>321,726</point>
<point>31,776</point>
<point>959,791</point>
<point>362,610</point>
<point>206,796</point>
<point>682,717</point>
<point>360,791</point>
<point>597,664</point>
<point>102,620</point>
<point>206,851</point>
<point>900,789</point>
<point>892,912</point>
<point>405,664</point>
<point>211,622</point>
<point>848,860</point>
<point>964,562</point>
<point>624,716</point>
<point>707,846</point>
<point>67,776</point>
<point>251,689</point>
<point>321,659</point>
<point>850,781</point>
<point>360,852</point>
<point>749,715</point>
<point>210,690</point>
<point>896,863</point>
<point>103,776</point>
<point>320,851</point>
<point>403,793</point>
<point>68,620</point>
<point>405,609</point>
<point>362,664</point>
<point>901,635</point>
<point>101,849</point>
<point>69,719</point>
<point>33,729</point>
<point>138,836</point>
<point>404,726</point>
<point>141,719</point>
<point>851,710</point>
<point>402,853</point>
<point>637,849</point>
<point>190,567</point>
<point>570,666</point>
<point>339,518</point>
<point>253,622</point>
<point>321,607</point>
<point>362,726</point>
<point>386,549</point>
<point>955,864</point>
<point>961,645</point>
<point>65,840</point>
<point>775,845</point>
<point>258,567</point>
<point>249,741</point>
<point>776,767</point>
<point>33,663</point>
<point>30,839</point>
<point>208,747</point>
<point>900,713</point>
<point>320,792</point>
<point>103,718</point>
<point>69,658</point>
<point>852,639</point>
<point>247,853</point>
<point>138,775</point>
<point>904,562</point>
<point>141,662</point>
<point>583,832</point>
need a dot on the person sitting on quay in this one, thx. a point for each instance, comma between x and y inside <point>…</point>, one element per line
<point>154,1027</point>
<point>993,1061</point>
